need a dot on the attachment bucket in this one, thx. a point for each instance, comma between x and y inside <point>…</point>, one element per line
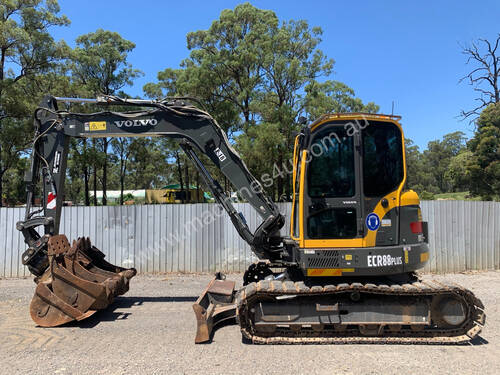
<point>215,305</point>
<point>77,282</point>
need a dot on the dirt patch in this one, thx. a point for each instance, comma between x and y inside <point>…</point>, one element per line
<point>151,330</point>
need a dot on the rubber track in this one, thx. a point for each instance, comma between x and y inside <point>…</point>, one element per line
<point>467,331</point>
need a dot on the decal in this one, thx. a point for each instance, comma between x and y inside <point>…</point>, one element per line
<point>51,201</point>
<point>386,222</point>
<point>95,126</point>
<point>136,123</point>
<point>220,154</point>
<point>57,162</point>
<point>372,221</point>
<point>383,260</point>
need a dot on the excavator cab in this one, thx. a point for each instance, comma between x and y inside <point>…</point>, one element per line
<point>350,215</point>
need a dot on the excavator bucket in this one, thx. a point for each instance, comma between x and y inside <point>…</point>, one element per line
<point>215,305</point>
<point>77,283</point>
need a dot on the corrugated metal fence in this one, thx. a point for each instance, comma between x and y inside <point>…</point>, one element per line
<point>201,238</point>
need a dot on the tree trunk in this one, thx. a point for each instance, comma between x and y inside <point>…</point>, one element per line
<point>105,172</point>
<point>95,185</point>
<point>1,176</point>
<point>179,171</point>
<point>188,188</point>
<point>94,172</point>
<point>2,66</point>
<point>198,198</point>
<point>122,179</point>
<point>86,183</point>
<point>1,189</point>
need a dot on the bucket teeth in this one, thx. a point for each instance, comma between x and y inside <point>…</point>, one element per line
<point>77,283</point>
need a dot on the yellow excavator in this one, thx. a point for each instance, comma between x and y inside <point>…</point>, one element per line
<point>346,273</point>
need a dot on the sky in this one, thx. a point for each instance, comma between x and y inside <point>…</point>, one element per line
<point>388,51</point>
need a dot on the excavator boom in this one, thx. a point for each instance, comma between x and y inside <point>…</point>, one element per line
<point>74,281</point>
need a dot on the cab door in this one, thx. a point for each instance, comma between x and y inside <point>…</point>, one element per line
<point>382,162</point>
<point>332,204</point>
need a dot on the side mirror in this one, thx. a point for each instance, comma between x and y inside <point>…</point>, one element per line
<point>302,120</point>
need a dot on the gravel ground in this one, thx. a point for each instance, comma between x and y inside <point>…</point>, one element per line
<point>151,330</point>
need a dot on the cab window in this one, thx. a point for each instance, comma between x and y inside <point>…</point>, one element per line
<point>382,159</point>
<point>331,168</point>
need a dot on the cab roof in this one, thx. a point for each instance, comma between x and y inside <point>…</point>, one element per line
<point>354,116</point>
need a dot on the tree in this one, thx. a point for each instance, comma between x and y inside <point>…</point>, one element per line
<point>79,167</point>
<point>484,77</point>
<point>484,164</point>
<point>121,148</point>
<point>457,174</point>
<point>100,64</point>
<point>251,72</point>
<point>14,189</point>
<point>438,156</point>
<point>229,54</point>
<point>291,61</point>
<point>415,178</point>
<point>147,163</point>
<point>26,50</point>
<point>334,97</point>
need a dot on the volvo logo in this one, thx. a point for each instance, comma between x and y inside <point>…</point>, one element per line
<point>134,123</point>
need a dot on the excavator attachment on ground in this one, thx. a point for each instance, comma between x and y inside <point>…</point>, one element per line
<point>77,283</point>
<point>214,306</point>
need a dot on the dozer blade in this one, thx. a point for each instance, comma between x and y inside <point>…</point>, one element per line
<point>215,305</point>
<point>75,286</point>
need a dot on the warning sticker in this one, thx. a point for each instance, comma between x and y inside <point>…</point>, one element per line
<point>95,126</point>
<point>51,201</point>
<point>386,222</point>
<point>57,162</point>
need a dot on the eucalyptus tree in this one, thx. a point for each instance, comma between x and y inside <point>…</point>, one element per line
<point>256,74</point>
<point>26,50</point>
<point>100,64</point>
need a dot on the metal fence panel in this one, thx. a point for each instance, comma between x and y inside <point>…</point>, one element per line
<point>464,235</point>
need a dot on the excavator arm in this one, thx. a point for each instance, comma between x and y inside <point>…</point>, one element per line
<point>197,131</point>
<point>73,281</point>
